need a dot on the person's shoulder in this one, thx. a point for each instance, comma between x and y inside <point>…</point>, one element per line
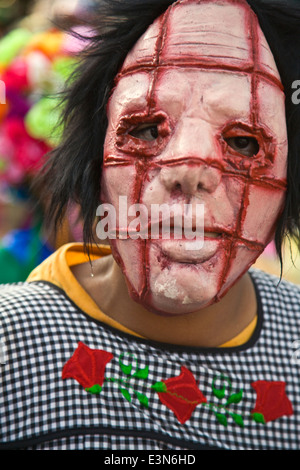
<point>265,278</point>
<point>20,299</point>
<point>11,293</point>
<point>274,289</point>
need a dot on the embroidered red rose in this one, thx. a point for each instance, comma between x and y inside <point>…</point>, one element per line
<point>87,366</point>
<point>272,402</point>
<point>180,394</point>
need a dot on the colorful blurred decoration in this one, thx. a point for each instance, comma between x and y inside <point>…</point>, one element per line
<point>20,252</point>
<point>34,68</point>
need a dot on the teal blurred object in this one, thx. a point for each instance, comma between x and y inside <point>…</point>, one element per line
<point>20,252</point>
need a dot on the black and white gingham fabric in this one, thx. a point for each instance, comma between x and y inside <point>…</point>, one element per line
<point>40,328</point>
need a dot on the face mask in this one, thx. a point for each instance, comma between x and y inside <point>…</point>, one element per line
<point>197,118</point>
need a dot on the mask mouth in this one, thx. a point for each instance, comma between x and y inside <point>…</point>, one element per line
<point>213,234</point>
<point>189,252</point>
<point>163,231</point>
<point>159,230</point>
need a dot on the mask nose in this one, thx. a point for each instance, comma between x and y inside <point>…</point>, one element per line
<point>200,164</point>
<point>191,179</point>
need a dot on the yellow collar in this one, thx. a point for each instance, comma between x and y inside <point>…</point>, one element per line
<point>56,270</point>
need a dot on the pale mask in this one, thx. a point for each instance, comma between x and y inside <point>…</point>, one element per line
<point>197,116</point>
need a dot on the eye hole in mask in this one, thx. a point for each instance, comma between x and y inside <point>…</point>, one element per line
<point>146,132</point>
<point>247,146</point>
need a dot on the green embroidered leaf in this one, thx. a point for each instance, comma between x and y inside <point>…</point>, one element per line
<point>235,398</point>
<point>125,368</point>
<point>126,394</point>
<point>142,373</point>
<point>219,393</point>
<point>159,387</point>
<point>221,418</point>
<point>238,419</point>
<point>142,399</point>
<point>258,418</point>
<point>94,390</point>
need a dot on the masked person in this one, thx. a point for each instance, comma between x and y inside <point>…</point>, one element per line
<point>159,342</point>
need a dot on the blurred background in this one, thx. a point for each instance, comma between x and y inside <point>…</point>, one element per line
<point>36,60</point>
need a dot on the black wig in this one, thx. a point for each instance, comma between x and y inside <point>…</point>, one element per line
<point>73,170</point>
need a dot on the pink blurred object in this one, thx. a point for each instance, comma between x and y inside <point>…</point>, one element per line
<point>20,153</point>
<point>16,76</point>
<point>73,44</point>
<point>270,250</point>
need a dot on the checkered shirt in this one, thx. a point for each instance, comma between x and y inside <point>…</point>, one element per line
<point>152,396</point>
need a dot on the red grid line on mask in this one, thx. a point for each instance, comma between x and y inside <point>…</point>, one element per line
<point>204,65</point>
<point>233,246</point>
<point>144,166</point>
<point>129,160</point>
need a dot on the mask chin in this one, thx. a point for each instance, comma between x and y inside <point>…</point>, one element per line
<point>169,288</point>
